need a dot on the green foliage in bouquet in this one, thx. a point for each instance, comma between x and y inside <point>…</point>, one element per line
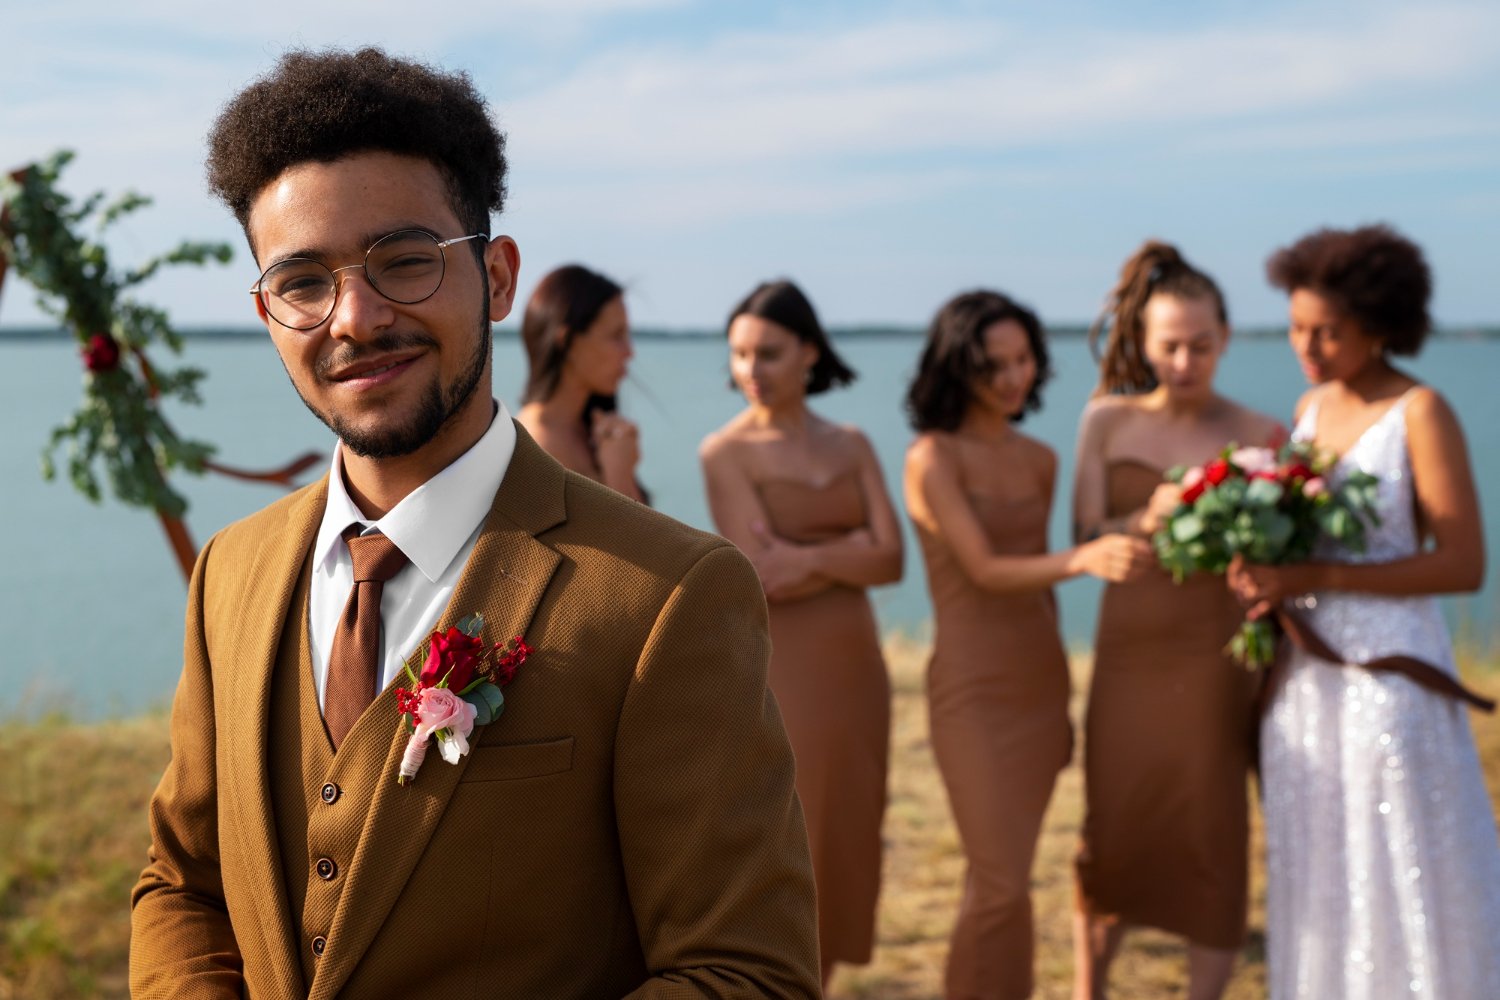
<point>1268,506</point>
<point>118,428</point>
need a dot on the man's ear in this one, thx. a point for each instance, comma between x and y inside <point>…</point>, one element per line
<point>502,262</point>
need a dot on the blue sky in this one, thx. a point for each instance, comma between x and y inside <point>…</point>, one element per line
<point>884,155</point>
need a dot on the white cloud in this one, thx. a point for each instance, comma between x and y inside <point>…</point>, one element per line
<point>971,84</point>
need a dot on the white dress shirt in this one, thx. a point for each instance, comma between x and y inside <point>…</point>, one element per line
<point>435,526</point>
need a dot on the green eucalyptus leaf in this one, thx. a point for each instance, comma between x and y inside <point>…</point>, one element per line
<point>471,625</point>
<point>1263,493</point>
<point>488,702</point>
<point>1187,527</point>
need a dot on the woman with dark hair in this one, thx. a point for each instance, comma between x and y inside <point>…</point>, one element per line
<point>577,339</point>
<point>805,500</point>
<point>1167,736</point>
<point>1382,869</point>
<point>979,494</point>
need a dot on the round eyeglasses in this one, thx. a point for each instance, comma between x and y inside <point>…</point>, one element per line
<point>406,267</point>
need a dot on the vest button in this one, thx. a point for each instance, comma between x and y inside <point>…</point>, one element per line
<point>319,944</point>
<point>326,869</point>
<point>331,793</point>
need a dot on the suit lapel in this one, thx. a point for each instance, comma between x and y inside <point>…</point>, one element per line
<point>506,576</point>
<point>264,611</point>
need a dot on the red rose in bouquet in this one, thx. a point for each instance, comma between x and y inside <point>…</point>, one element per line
<point>1270,506</point>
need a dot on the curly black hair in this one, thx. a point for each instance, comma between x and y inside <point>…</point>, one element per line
<point>322,106</point>
<point>1372,274</point>
<point>954,359</point>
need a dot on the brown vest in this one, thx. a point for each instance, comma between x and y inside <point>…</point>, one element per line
<point>316,802</point>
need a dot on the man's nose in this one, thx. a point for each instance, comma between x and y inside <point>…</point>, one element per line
<point>359,310</point>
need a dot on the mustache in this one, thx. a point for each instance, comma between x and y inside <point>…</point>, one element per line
<point>385,343</point>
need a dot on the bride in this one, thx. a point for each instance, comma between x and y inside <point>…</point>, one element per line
<point>1383,868</point>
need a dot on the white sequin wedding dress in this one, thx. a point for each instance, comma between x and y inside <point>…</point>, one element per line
<point>1382,866</point>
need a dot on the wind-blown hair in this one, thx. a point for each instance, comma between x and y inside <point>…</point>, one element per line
<point>782,302</point>
<point>323,106</point>
<point>563,305</point>
<point>1155,268</point>
<point>953,359</point>
<point>1372,274</point>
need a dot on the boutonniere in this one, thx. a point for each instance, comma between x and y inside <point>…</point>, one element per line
<point>458,689</point>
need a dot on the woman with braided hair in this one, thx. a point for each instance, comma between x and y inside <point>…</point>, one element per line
<point>1166,749</point>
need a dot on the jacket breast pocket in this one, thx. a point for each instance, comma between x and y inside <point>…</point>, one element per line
<point>509,762</point>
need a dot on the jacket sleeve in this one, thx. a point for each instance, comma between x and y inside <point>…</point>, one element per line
<point>181,943</point>
<point>715,850</point>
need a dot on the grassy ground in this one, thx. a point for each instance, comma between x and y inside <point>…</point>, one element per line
<point>924,868</point>
<point>73,836</point>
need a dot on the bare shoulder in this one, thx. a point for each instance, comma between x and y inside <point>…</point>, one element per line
<point>1038,454</point>
<point>723,444</point>
<point>1305,400</point>
<point>1103,414</point>
<point>1430,418</point>
<point>928,450</point>
<point>851,439</point>
<point>1423,402</point>
<point>1104,409</point>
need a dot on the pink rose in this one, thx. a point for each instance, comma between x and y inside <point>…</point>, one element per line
<point>1253,460</point>
<point>1314,487</point>
<point>441,708</point>
<point>1193,484</point>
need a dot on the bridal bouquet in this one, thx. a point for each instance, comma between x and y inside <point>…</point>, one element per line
<point>1268,505</point>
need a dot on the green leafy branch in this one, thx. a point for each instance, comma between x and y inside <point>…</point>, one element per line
<point>118,432</point>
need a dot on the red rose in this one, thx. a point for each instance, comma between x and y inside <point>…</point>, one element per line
<point>1194,491</point>
<point>1297,470</point>
<point>453,656</point>
<point>101,353</point>
<point>1216,471</point>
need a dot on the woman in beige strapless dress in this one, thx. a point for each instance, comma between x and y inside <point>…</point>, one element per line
<point>806,501</point>
<point>1167,736</point>
<point>979,494</point>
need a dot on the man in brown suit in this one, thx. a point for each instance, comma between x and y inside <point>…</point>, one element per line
<point>627,826</point>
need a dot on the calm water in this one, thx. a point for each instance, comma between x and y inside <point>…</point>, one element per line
<point>93,600</point>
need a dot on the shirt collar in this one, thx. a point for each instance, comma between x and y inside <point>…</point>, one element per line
<point>432,523</point>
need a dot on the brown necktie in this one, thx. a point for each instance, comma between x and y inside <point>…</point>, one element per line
<point>354,659</point>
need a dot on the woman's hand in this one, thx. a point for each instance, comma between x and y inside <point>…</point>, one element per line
<point>1116,558</point>
<point>617,448</point>
<point>1165,499</point>
<point>783,568</point>
<point>1261,589</point>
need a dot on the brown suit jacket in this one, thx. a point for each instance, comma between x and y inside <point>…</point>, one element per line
<point>626,826</point>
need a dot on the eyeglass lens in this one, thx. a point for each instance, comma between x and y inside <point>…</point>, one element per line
<point>405,267</point>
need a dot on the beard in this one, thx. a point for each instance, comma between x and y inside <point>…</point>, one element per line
<point>435,409</point>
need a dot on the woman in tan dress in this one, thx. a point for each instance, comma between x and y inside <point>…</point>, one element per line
<point>979,494</point>
<point>805,500</point>
<point>577,339</point>
<point>1167,737</point>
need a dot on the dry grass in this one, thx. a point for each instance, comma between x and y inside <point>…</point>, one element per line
<point>73,836</point>
<point>72,843</point>
<point>924,868</point>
